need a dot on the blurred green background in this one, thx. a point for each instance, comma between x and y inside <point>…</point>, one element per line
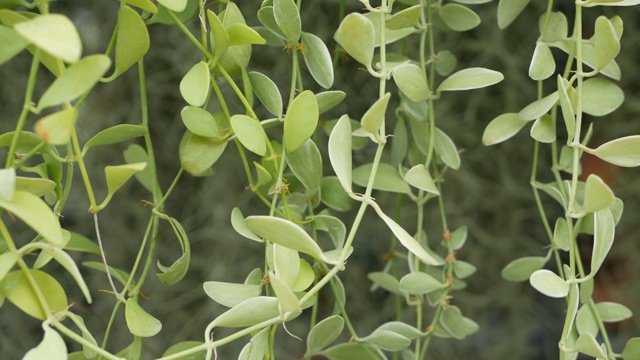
<point>490,193</point>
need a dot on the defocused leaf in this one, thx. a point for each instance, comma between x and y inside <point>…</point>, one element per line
<point>543,129</point>
<point>542,64</point>
<point>561,237</point>
<point>140,322</point>
<point>604,234</point>
<point>194,86</point>
<point>385,281</point>
<point>522,268</point>
<point>446,62</point>
<point>174,5</point>
<point>601,96</point>
<point>408,17</point>
<point>241,34</point>
<point>502,128</point>
<point>257,346</point>
<point>446,149</point>
<point>230,294</point>
<point>120,275</point>
<point>624,151</point>
<point>18,290</point>
<point>340,152</point>
<point>35,213</point>
<point>334,195</point>
<point>133,350</point>
<point>287,17</point>
<point>334,226</point>
<point>329,99</point>
<point>418,283</point>
<point>411,81</point>
<point>356,35</point>
<point>605,41</point>
<point>548,283</point>
<point>306,165</point>
<point>318,59</point>
<point>463,269</point>
<point>142,4</point>
<point>350,351</point>
<point>455,324</point>
<point>419,177</point>
<point>631,349</point>
<point>52,346</point>
<point>250,133</point>
<point>53,33</point>
<point>387,178</point>
<point>249,312</point>
<point>185,345</point>
<point>267,91</point>
<point>80,243</point>
<point>613,312</point>
<point>7,183</point>
<point>12,44</point>
<point>387,340</point>
<point>136,154</point>
<point>508,11</point>
<point>586,321</point>
<point>56,128</point>
<point>459,17</point>
<point>69,264</point>
<point>459,237</point>
<point>557,27</point>
<point>587,344</point>
<point>597,195</point>
<point>300,121</point>
<point>87,351</point>
<point>114,135</point>
<point>267,18</point>
<point>199,121</point>
<point>132,41</point>
<point>471,78</point>
<point>324,333</point>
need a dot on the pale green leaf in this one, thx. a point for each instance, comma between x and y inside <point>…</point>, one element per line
<point>631,349</point>
<point>542,64</point>
<point>7,184</point>
<point>268,19</point>
<point>52,346</point>
<point>329,99</point>
<point>613,312</point>
<point>18,290</point>
<point>324,333</point>
<point>386,281</point>
<point>471,78</point>
<point>199,121</point>
<point>300,121</point>
<point>548,283</point>
<point>557,27</point>
<point>605,42</point>
<point>56,128</point>
<point>587,344</point>
<point>318,59</point>
<point>463,269</point>
<point>119,174</point>
<point>249,312</point>
<point>219,36</point>
<point>69,264</point>
<point>198,154</point>
<point>419,177</point>
<point>250,133</point>
<point>624,151</point>
<point>418,283</point>
<point>446,62</point>
<point>543,129</point>
<point>502,128</point>
<point>286,263</point>
<point>140,322</point>
<point>185,345</point>
<point>404,18</point>
<point>356,35</point>
<point>114,135</point>
<point>12,44</point>
<point>387,178</point>
<point>334,195</point>
<point>287,17</point>
<point>561,237</point>
<point>174,5</point>
<point>459,17</point>
<point>401,328</point>
<point>508,11</point>
<point>241,34</point>
<point>387,340</point>
<point>267,92</point>
<point>568,113</point>
<point>340,152</point>
<point>446,149</point>
<point>53,33</point>
<point>455,324</point>
<point>522,268</point>
<point>194,86</point>
<point>351,351</point>
<point>306,165</point>
<point>142,4</point>
<point>374,117</point>
<point>178,269</point>
<point>239,225</point>
<point>230,294</point>
<point>459,237</point>
<point>586,321</point>
<point>539,107</point>
<point>286,298</point>
<point>604,234</point>
<point>257,346</point>
<point>35,213</point>
<point>306,276</point>
<point>601,96</point>
<point>411,81</point>
<point>132,40</point>
<point>597,195</point>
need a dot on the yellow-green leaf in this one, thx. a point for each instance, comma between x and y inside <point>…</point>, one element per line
<point>140,322</point>
<point>194,86</point>
<point>300,121</point>
<point>17,289</point>
<point>56,129</point>
<point>53,33</point>
<point>35,213</point>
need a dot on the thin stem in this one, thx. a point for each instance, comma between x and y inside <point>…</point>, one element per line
<point>104,257</point>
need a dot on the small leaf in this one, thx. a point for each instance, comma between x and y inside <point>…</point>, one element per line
<point>329,99</point>
<point>178,269</point>
<point>340,152</point>
<point>286,263</point>
<point>53,33</point>
<point>257,346</point>
<point>446,149</point>
<point>7,183</point>
<point>306,165</point>
<point>605,41</point>
<point>230,294</point>
<point>624,151</point>
<point>631,349</point>
<point>350,351</point>
<point>374,117</point>
<point>56,129</point>
<point>334,195</point>
<point>324,333</point>
<point>286,298</point>
<point>387,178</point>
<point>612,312</point>
<point>401,328</point>
<point>548,283</point>
<point>35,213</point>
<point>140,322</point>
<point>132,40</point>
<point>587,344</point>
<point>472,78</point>
<point>411,81</point>
<point>80,243</point>
<point>241,34</point>
<point>174,5</point>
<point>287,17</point>
<point>544,129</point>
<point>455,324</point>
<point>306,276</point>
<point>239,225</point>
<point>385,281</point>
<point>143,4</point>
<point>597,195</point>
<point>301,120</point>
<point>539,107</point>
<point>219,36</point>
<point>557,27</point>
<point>542,64</point>
<point>267,92</point>
<point>502,128</point>
<point>522,268</point>
<point>387,340</point>
<point>12,44</point>
<point>199,121</point>
<point>198,154</point>
<point>508,11</point>
<point>249,312</point>
<point>119,174</point>
<point>567,108</point>
<point>459,237</point>
<point>356,35</point>
<point>418,283</point>
<point>561,235</point>
<point>446,62</point>
<point>601,96</point>
<point>250,133</point>
<point>463,269</point>
<point>194,86</point>
<point>114,135</point>
<point>420,178</point>
<point>459,17</point>
<point>185,345</point>
<point>18,290</point>
<point>7,261</point>
<point>75,81</point>
<point>586,321</point>
<point>604,234</point>
<point>51,347</point>
<point>318,60</point>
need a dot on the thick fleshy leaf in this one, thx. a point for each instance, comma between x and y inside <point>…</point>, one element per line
<point>119,174</point>
<point>604,233</point>
<point>356,35</point>
<point>502,128</point>
<point>199,121</point>
<point>324,333</point>
<point>561,237</point>
<point>557,27</point>
<point>56,128</point>
<point>613,312</point>
<point>287,17</point>
<point>174,5</point>
<point>542,64</point>
<point>52,346</point>
<point>385,281</point>
<point>387,340</point>
<point>446,62</point>
<point>334,226</point>
<point>605,41</point>
<point>401,328</point>
<point>7,261</point>
<point>286,263</point>
<point>351,351</point>
<point>544,130</point>
<point>508,11</point>
<point>250,133</point>
<point>75,81</point>
<point>446,149</point>
<point>143,4</point>
<point>17,289</point>
<point>522,268</point>
<point>548,283</point>
<point>267,18</point>
<point>601,96</point>
<point>455,324</point>
<point>631,349</point>
<point>185,345</point>
<point>374,117</point>
<point>387,178</point>
<point>132,41</point>
<point>340,152</point>
<point>459,17</point>
<point>586,321</point>
<point>114,135</point>
<point>35,213</point>
<point>178,269</point>
<point>249,312</point>
<point>267,92</point>
<point>411,81</point>
<point>230,294</point>
<point>471,78</point>
<point>306,276</point>
<point>318,59</point>
<point>198,154</point>
<point>539,107</point>
<point>237,221</point>
<point>597,195</point>
<point>587,344</point>
<point>334,195</point>
<point>329,99</point>
<point>306,165</point>
<point>624,151</point>
<point>300,121</point>
<point>36,186</point>
<point>12,44</point>
<point>241,34</point>
<point>257,346</point>
<point>53,33</point>
<point>418,283</point>
<point>194,86</point>
<point>219,36</point>
<point>140,322</point>
<point>286,298</point>
<point>419,177</point>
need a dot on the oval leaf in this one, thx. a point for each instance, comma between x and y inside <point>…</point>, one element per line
<point>387,178</point>
<point>597,195</point>
<point>51,347</point>
<point>267,92</point>
<point>522,268</point>
<point>199,121</point>
<point>16,288</point>
<point>374,117</point>
<point>420,178</point>
<point>459,17</point>
<point>324,333</point>
<point>287,17</point>
<point>604,233</point>
<point>472,78</point>
<point>35,213</point>
<point>198,154</point>
<point>542,64</point>
<point>601,96</point>
<point>53,33</point>
<point>340,152</point>
<point>300,121</point>
<point>356,35</point>
<point>318,60</point>
<point>306,165</point>
<point>140,322</point>
<point>502,128</point>
<point>539,107</point>
<point>230,294</point>
<point>548,283</point>
<point>194,86</point>
<point>446,149</point>
<point>250,133</point>
<point>624,151</point>
<point>239,225</point>
<point>411,81</point>
<point>508,11</point>
<point>418,283</point>
<point>114,135</point>
<point>249,312</point>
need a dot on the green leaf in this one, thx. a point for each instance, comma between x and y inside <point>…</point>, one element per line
<point>267,18</point>
<point>301,120</point>
<point>142,4</point>
<point>544,130</point>
<point>69,264</point>
<point>287,17</point>
<point>118,175</point>
<point>463,269</point>
<point>405,18</point>
<point>385,281</point>
<point>567,108</point>
<point>605,41</point>
<point>459,237</point>
<point>241,34</point>
<point>176,272</point>
<point>387,178</point>
<point>329,99</point>
<point>219,36</point>
<point>539,107</point>
<point>601,96</point>
<point>17,289</point>
<point>561,235</point>
<point>7,261</point>
<point>53,33</point>
<point>264,176</point>
<point>194,86</point>
<point>56,128</point>
<point>508,11</point>
<point>334,226</point>
<point>239,225</point>
<point>12,44</point>
<point>604,234</point>
<point>340,152</point>
<point>587,344</point>
<point>356,35</point>
<point>35,213</point>
<point>257,346</point>
<point>306,165</point>
<point>306,276</point>
<point>135,154</point>
<point>446,149</point>
<point>455,324</point>
<point>87,351</point>
<point>286,298</point>
<point>411,81</point>
<point>631,349</point>
<point>542,64</point>
<point>7,183</point>
<point>502,128</point>
<point>446,62</point>
<point>597,195</point>
<point>249,312</point>
<point>185,345</point>
<point>459,17</point>
<point>318,59</point>
<point>174,5</point>
<point>522,268</point>
<point>334,195</point>
<point>418,283</point>
<point>199,121</point>
<point>401,328</point>
<point>350,351</point>
<point>140,322</point>
<point>76,80</point>
<point>557,27</point>
<point>419,177</point>
<point>114,135</point>
<point>374,117</point>
<point>624,151</point>
<point>51,347</point>
<point>230,294</point>
<point>613,312</point>
<point>80,243</point>
<point>132,41</point>
<point>267,92</point>
<point>133,350</point>
<point>586,321</point>
<point>286,263</point>
<point>471,78</point>
<point>120,275</point>
<point>548,283</point>
<point>324,333</point>
<point>250,133</point>
<point>387,340</point>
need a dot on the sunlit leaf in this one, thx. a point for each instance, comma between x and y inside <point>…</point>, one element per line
<point>199,121</point>
<point>7,183</point>
<point>194,86</point>
<point>56,128</point>
<point>69,264</point>
<point>471,78</point>
<point>502,128</point>
<point>624,151</point>
<point>118,175</point>
<point>140,322</point>
<point>548,283</point>
<point>142,4</point>
<point>300,121</point>
<point>35,213</point>
<point>411,81</point>
<point>53,33</point>
<point>374,117</point>
<point>12,44</point>
<point>318,59</point>
<point>250,133</point>
<point>241,34</point>
<point>174,5</point>
<point>356,35</point>
<point>18,290</point>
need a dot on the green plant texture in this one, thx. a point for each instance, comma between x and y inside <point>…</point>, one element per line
<point>286,179</point>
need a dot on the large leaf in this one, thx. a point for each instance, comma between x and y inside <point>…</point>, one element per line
<point>249,312</point>
<point>12,44</point>
<point>219,36</point>
<point>624,151</point>
<point>250,133</point>
<point>418,283</point>
<point>52,346</point>
<point>604,233</point>
<point>471,78</point>
<point>318,59</point>
<point>387,178</point>
<point>140,322</point>
<point>324,333</point>
<point>18,290</point>
<point>114,135</point>
<point>230,294</point>
<point>419,177</point>
<point>601,96</point>
<point>56,128</point>
<point>522,268</point>
<point>53,33</point>
<point>35,213</point>
<point>356,35</point>
<point>597,195</point>
<point>132,41</point>
<point>542,63</point>
<point>199,121</point>
<point>412,81</point>
<point>605,41</point>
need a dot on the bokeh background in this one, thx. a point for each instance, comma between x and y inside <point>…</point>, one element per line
<point>490,193</point>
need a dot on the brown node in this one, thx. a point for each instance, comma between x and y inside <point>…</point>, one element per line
<point>301,48</point>
<point>447,235</point>
<point>451,257</point>
<point>147,202</point>
<point>265,280</point>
